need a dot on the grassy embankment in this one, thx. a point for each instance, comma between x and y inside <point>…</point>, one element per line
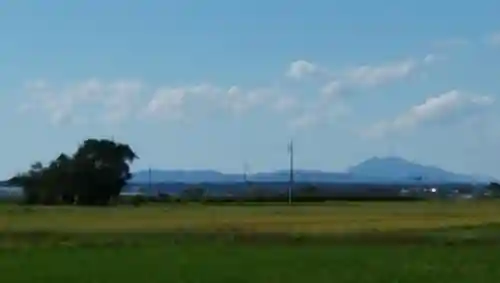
<point>337,242</point>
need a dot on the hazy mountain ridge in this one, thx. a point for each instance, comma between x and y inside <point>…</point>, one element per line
<point>373,170</point>
<point>400,169</point>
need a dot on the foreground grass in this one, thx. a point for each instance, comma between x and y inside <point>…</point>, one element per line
<point>236,262</point>
<point>338,242</point>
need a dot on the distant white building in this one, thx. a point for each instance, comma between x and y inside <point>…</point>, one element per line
<point>134,191</point>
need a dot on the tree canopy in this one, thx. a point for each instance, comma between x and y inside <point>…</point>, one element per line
<point>93,175</point>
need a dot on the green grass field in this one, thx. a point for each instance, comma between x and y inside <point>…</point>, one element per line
<point>205,262</point>
<point>335,242</point>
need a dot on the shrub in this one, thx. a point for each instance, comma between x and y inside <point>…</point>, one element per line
<point>138,200</point>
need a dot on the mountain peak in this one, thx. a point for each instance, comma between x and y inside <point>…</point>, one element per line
<point>392,166</point>
<point>387,159</point>
<point>398,168</point>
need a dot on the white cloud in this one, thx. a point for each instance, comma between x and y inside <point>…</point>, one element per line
<point>119,100</point>
<point>285,103</point>
<point>433,109</point>
<point>305,120</point>
<point>375,75</point>
<point>36,85</point>
<point>355,79</point>
<point>301,68</point>
<point>331,89</point>
<point>122,101</point>
<point>239,101</point>
<point>175,102</point>
<point>167,102</point>
<point>77,102</point>
<point>367,75</point>
<point>170,103</point>
<point>430,58</point>
<point>494,39</point>
<point>116,101</point>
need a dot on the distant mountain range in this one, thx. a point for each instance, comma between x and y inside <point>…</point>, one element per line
<point>375,170</point>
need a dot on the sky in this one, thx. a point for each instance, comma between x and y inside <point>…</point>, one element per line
<point>217,84</point>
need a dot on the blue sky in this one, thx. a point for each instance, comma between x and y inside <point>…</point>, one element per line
<point>214,84</point>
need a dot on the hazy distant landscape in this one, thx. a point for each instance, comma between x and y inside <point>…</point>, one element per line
<point>374,170</point>
<point>389,171</point>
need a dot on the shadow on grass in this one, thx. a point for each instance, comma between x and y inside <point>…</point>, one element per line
<point>465,235</point>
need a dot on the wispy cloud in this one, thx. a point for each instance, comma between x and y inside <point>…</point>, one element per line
<point>285,103</point>
<point>368,75</point>
<point>239,101</point>
<point>116,101</point>
<point>68,103</point>
<point>119,100</point>
<point>493,39</point>
<point>433,109</point>
<point>355,79</point>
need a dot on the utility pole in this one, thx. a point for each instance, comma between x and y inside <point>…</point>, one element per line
<point>290,188</point>
<point>246,184</point>
<point>149,180</point>
<point>245,173</point>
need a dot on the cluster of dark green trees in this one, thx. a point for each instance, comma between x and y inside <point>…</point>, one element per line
<point>94,175</point>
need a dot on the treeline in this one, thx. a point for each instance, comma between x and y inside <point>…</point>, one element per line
<point>93,175</point>
<point>259,194</point>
